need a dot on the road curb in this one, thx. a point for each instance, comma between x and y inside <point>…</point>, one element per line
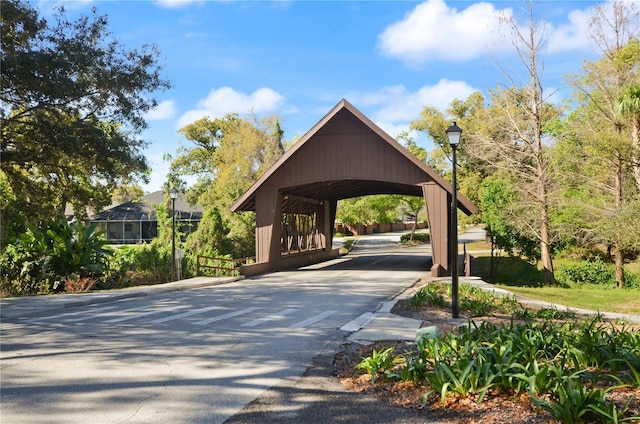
<point>30,306</point>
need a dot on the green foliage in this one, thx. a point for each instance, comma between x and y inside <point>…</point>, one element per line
<point>430,294</point>
<point>554,313</point>
<point>573,402</point>
<point>475,301</point>
<point>134,264</point>
<point>594,271</point>
<point>43,258</point>
<point>567,368</point>
<point>417,237</point>
<point>380,209</point>
<point>73,139</point>
<point>228,155</point>
<point>211,237</point>
<point>379,360</point>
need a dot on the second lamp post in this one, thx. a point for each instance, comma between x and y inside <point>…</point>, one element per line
<point>453,133</point>
<point>173,193</point>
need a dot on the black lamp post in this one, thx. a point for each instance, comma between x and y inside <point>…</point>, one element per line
<point>454,132</point>
<point>173,193</point>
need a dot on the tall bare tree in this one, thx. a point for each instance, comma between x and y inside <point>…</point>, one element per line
<point>510,137</point>
<point>606,122</point>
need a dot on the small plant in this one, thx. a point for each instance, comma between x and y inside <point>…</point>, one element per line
<point>572,402</point>
<point>554,313</point>
<point>480,302</point>
<point>431,294</point>
<point>568,368</point>
<point>417,237</point>
<point>379,361</point>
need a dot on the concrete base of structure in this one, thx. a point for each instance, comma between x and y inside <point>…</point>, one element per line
<point>438,270</point>
<point>289,262</point>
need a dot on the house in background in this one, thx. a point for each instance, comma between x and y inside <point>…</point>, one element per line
<point>136,222</point>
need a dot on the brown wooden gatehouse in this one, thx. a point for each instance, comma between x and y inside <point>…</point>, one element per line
<point>344,155</point>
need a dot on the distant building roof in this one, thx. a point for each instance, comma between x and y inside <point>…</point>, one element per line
<point>144,210</point>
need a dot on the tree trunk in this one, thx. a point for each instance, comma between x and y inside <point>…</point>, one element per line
<point>635,140</point>
<point>547,261</point>
<point>415,226</point>
<point>545,234</point>
<point>619,259</point>
<point>619,268</point>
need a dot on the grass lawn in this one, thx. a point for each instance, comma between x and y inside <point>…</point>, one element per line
<point>597,299</point>
<point>523,278</point>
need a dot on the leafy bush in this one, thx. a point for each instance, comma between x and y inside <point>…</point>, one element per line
<point>45,257</point>
<point>589,272</point>
<point>134,264</point>
<point>430,294</point>
<point>379,360</point>
<point>631,281</point>
<point>554,313</point>
<point>417,237</point>
<point>476,301</point>
<point>566,368</point>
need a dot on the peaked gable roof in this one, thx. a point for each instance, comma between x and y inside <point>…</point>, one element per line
<point>143,210</point>
<point>349,185</point>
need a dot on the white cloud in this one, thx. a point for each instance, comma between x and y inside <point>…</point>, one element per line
<point>165,110</point>
<point>393,107</point>
<point>174,4</point>
<point>433,31</point>
<point>159,169</point>
<point>575,34</point>
<point>226,100</point>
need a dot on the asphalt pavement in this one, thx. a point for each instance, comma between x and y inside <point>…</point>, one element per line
<point>319,397</point>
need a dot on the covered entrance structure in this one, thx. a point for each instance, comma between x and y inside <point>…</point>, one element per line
<point>344,155</point>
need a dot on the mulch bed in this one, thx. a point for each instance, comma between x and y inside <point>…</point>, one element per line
<point>495,407</point>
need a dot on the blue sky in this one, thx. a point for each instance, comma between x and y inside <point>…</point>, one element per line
<point>298,59</point>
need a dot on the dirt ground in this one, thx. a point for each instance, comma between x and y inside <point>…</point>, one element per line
<point>495,408</point>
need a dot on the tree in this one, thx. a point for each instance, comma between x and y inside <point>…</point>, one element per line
<point>414,204</point>
<point>605,122</point>
<point>378,208</point>
<point>73,101</point>
<point>54,257</point>
<point>498,199</point>
<point>127,193</point>
<point>628,106</point>
<point>510,135</point>
<point>470,169</point>
<point>229,155</point>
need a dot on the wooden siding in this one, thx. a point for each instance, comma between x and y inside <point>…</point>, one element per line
<point>344,155</point>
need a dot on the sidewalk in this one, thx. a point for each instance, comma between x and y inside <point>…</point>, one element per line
<point>27,306</point>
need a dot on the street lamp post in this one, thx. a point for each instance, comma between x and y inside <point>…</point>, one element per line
<point>173,193</point>
<point>453,133</point>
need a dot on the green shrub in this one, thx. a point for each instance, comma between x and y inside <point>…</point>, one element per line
<point>567,368</point>
<point>631,281</point>
<point>379,361</point>
<point>430,294</point>
<point>138,264</point>
<point>554,313</point>
<point>417,237</point>
<point>589,272</point>
<point>45,257</point>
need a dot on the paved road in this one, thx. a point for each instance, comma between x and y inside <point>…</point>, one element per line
<point>196,356</point>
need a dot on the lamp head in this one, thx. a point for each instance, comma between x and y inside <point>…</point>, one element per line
<point>454,132</point>
<point>173,193</point>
